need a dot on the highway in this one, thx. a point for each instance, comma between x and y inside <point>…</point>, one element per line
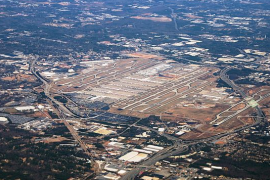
<point>182,146</point>
<point>169,137</point>
<point>47,87</point>
<point>165,153</point>
<point>179,145</point>
<point>226,79</point>
<point>236,88</point>
<point>64,110</point>
<point>174,16</point>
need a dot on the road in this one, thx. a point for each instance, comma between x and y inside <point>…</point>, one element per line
<point>226,79</point>
<point>182,146</point>
<point>64,110</point>
<point>179,145</point>
<point>169,137</point>
<point>174,17</point>
<point>47,91</point>
<point>165,153</point>
<point>236,88</point>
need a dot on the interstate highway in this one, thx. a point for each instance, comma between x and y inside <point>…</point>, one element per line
<point>183,146</point>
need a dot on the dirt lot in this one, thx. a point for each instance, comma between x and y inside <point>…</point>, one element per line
<point>238,107</point>
<point>144,56</point>
<point>20,77</point>
<point>199,114</point>
<point>207,130</point>
<point>53,140</point>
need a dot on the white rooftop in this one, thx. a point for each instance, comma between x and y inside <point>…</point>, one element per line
<point>3,119</point>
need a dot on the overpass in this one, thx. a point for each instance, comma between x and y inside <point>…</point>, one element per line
<point>67,112</point>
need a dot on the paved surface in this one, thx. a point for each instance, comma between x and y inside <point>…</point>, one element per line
<point>64,111</point>
<point>179,145</point>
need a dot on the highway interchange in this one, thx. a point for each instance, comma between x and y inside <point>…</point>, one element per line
<point>64,112</point>
<point>178,147</point>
